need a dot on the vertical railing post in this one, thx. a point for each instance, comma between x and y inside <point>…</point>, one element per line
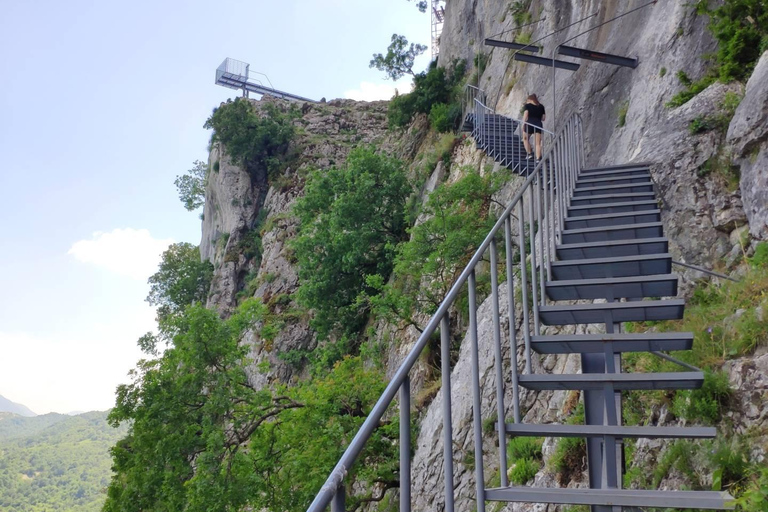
<point>476,411</point>
<point>405,445</point>
<point>541,228</point>
<point>500,409</point>
<point>532,240</point>
<point>512,319</point>
<point>445,365</point>
<point>524,284</point>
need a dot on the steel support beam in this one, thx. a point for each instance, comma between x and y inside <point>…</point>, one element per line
<point>541,61</point>
<point>513,46</point>
<point>581,53</point>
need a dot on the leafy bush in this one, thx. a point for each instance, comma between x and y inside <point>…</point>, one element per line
<point>691,90</point>
<point>433,87</point>
<point>444,118</point>
<point>255,139</point>
<point>181,280</point>
<point>741,29</point>
<point>351,219</point>
<point>191,186</point>
<point>457,218</point>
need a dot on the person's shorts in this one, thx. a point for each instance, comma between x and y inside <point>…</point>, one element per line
<point>529,128</point>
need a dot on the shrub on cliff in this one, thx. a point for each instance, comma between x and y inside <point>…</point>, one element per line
<point>252,138</point>
<point>352,218</point>
<point>434,87</point>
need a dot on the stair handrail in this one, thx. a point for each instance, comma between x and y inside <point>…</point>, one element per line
<point>543,193</point>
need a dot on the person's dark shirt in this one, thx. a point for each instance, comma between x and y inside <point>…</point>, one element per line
<point>535,113</point>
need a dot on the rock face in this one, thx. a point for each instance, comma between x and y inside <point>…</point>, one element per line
<point>748,139</point>
<point>237,210</point>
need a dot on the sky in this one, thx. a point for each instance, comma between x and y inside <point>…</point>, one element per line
<point>102,105</point>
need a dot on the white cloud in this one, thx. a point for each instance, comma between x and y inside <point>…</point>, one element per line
<point>129,252</point>
<point>369,91</point>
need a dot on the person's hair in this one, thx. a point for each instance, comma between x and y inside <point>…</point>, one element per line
<point>534,99</point>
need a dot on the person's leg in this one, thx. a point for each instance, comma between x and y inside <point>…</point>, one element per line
<point>538,145</point>
<point>526,143</point>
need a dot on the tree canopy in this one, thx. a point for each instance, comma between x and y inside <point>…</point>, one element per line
<point>352,218</point>
<point>191,186</point>
<point>399,58</point>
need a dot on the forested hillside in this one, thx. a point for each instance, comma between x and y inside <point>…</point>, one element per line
<point>54,462</point>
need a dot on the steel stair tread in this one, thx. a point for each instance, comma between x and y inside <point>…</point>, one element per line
<point>612,312</point>
<point>711,500</point>
<point>599,216</point>
<point>620,381</point>
<point>640,170</point>
<point>613,248</point>
<point>620,431</point>
<point>612,267</point>
<point>630,287</point>
<point>629,188</point>
<point>608,180</point>
<point>643,165</point>
<point>629,196</point>
<point>613,233</point>
<point>631,206</point>
<point>622,342</point>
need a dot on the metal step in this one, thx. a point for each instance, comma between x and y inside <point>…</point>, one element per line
<point>612,219</point>
<point>613,233</point>
<point>612,312</point>
<point>710,500</point>
<point>642,165</point>
<point>627,171</point>
<point>620,381</point>
<point>615,180</point>
<point>646,432</point>
<point>635,287</point>
<point>612,198</point>
<point>633,206</point>
<point>612,249</point>
<point>624,266</point>
<point>613,189</point>
<point>622,342</point>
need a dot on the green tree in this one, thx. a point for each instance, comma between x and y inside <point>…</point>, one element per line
<point>182,279</point>
<point>399,58</point>
<point>421,5</point>
<point>202,438</point>
<point>351,220</point>
<point>191,186</point>
<point>458,218</point>
<point>256,139</point>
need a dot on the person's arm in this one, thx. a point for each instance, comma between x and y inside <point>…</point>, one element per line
<point>525,116</point>
<point>543,114</point>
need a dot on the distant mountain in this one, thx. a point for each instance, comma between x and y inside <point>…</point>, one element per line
<point>55,462</point>
<point>8,406</point>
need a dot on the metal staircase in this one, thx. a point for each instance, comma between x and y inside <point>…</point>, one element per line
<point>591,234</point>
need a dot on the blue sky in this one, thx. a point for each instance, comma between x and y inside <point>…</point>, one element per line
<point>101,106</point>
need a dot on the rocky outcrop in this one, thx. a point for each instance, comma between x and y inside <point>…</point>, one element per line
<point>238,214</point>
<point>748,139</point>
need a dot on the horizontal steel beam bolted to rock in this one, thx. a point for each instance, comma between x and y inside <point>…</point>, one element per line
<point>559,64</point>
<point>581,53</point>
<point>513,46</point>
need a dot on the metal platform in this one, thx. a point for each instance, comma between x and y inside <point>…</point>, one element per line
<point>234,74</point>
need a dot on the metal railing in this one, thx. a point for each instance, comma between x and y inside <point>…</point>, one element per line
<point>532,222</point>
